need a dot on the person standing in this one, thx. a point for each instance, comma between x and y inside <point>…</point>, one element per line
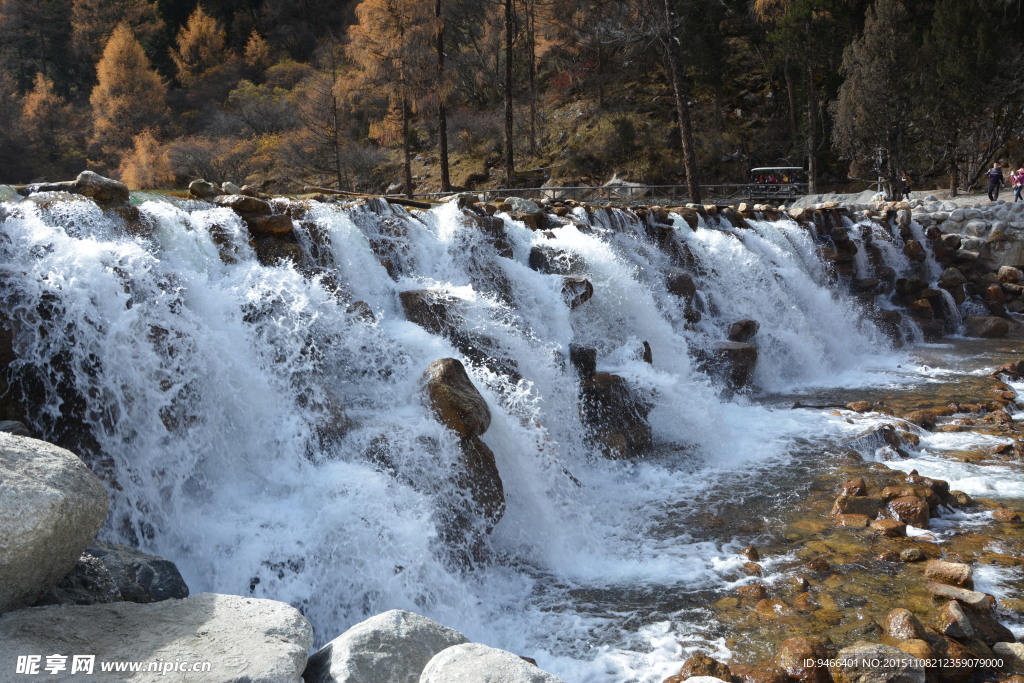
<point>995,181</point>
<point>1018,184</point>
<point>904,185</point>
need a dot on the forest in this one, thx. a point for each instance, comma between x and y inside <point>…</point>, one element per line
<point>418,96</point>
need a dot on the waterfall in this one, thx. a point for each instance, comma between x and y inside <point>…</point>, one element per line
<point>259,426</point>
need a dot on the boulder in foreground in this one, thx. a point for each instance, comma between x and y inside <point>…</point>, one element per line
<point>52,506</point>
<point>476,663</point>
<point>393,646</point>
<point>243,639</point>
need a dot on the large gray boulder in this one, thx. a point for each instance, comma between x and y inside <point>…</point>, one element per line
<point>872,663</point>
<point>52,506</point>
<point>393,646</point>
<point>243,639</point>
<point>108,572</point>
<point>101,189</point>
<point>476,663</point>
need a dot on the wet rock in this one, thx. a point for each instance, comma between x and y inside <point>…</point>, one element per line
<point>969,598</point>
<point>1012,654</point>
<point>853,521</point>
<point>798,657</point>
<point>100,189</point>
<point>901,624</point>
<point>1009,275</point>
<point>454,399</point>
<point>859,406</point>
<point>750,552</point>
<point>584,360</point>
<point>952,621</point>
<point>14,427</point>
<point>244,206</point>
<point>1005,515</point>
<point>846,504</point>
<point>737,362</point>
<point>53,505</point>
<point>108,572</point>
<point>854,487</point>
<point>576,291</point>
<point>889,528</point>
<point>952,277</point>
<point>758,674</point>
<point>986,326</point>
<point>952,573</point>
<point>702,665</point>
<point>432,310</point>
<point>203,189</point>
<point>276,226</point>
<point>743,330</point>
<point>468,661</point>
<point>911,510</point>
<point>680,283</point>
<point>616,415</point>
<point>552,261</point>
<point>393,646</point>
<point>753,592</point>
<point>872,663</point>
<point>912,555</point>
<point>480,478</point>
<point>244,638</point>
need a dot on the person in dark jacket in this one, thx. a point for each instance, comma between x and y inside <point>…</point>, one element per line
<point>995,181</point>
<point>904,185</point>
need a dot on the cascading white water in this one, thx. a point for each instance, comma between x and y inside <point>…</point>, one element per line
<point>244,407</point>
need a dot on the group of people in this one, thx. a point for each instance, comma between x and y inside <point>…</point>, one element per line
<point>996,180</point>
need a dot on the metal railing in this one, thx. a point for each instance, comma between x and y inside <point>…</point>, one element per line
<point>673,195</point>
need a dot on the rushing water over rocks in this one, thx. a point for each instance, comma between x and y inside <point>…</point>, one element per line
<point>252,395</point>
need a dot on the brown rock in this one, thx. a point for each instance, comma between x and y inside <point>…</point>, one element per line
<point>968,598</point>
<point>276,225</point>
<point>772,608</point>
<point>952,573</point>
<point>758,674</point>
<point>952,621</point>
<point>245,206</point>
<point>1005,515</point>
<point>750,552</point>
<point>901,624</point>
<point>754,592</point>
<point>702,665</point>
<point>479,476</point>
<point>911,510</point>
<point>986,326</point>
<point>617,416</point>
<point>854,487</point>
<point>859,406</point>
<point>576,290</point>
<point>743,330</point>
<point>857,505</point>
<point>916,647</point>
<point>454,399</point>
<point>853,521</point>
<point>737,361</point>
<point>798,657</point>
<point>889,528</point>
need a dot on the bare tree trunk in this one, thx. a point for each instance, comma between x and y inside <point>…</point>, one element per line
<point>679,89</point>
<point>954,166</point>
<point>531,24</point>
<point>509,40</point>
<point>791,97</point>
<point>407,153</point>
<point>812,161</point>
<point>442,116</point>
